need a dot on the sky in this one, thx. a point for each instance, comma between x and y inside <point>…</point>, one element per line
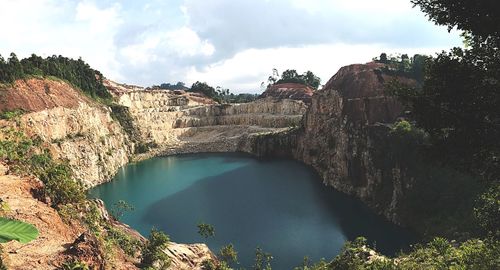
<point>234,44</point>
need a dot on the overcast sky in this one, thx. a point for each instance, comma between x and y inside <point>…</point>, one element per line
<point>230,43</point>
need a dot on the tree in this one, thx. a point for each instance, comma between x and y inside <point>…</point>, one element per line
<point>478,17</point>
<point>204,88</point>
<point>291,76</point>
<point>228,254</point>
<point>262,260</point>
<point>15,67</point>
<point>206,230</point>
<point>311,79</point>
<point>458,102</point>
<point>153,251</point>
<point>383,58</point>
<point>119,208</point>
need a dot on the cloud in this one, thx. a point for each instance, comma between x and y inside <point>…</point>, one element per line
<point>247,69</point>
<point>48,27</point>
<point>233,26</point>
<point>229,43</point>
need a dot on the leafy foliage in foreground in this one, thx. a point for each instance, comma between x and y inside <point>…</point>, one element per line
<point>76,72</point>
<point>458,103</point>
<point>14,230</point>
<point>437,254</point>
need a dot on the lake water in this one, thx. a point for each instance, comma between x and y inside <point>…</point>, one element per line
<point>279,205</point>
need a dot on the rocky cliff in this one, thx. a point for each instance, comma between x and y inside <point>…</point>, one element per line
<point>345,132</point>
<point>295,91</point>
<point>77,128</point>
<point>178,122</point>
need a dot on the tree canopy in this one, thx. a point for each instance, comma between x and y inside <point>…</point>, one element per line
<point>403,65</point>
<point>76,72</point>
<point>458,102</point>
<point>291,76</point>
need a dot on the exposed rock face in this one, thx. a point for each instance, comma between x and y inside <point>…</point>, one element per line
<point>180,123</point>
<point>86,135</point>
<point>78,129</point>
<point>53,246</point>
<point>188,257</point>
<point>33,95</point>
<point>295,91</point>
<point>343,129</point>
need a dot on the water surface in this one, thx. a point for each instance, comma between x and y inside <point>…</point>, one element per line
<point>278,205</point>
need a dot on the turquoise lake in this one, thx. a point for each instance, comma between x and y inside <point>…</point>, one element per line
<point>279,205</point>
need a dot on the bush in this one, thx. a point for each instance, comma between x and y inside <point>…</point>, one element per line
<point>228,254</point>
<point>23,155</point>
<point>59,185</point>
<point>153,255</point>
<point>74,265</point>
<point>487,211</point>
<point>128,244</point>
<point>206,230</point>
<point>9,115</point>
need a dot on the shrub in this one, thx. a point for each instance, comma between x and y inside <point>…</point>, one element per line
<point>23,155</point>
<point>74,265</point>
<point>228,254</point>
<point>124,241</point>
<point>153,255</point>
<point>9,115</point>
<point>262,260</point>
<point>59,185</point>
<point>487,211</point>
<point>206,230</point>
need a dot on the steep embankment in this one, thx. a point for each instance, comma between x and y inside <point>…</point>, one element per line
<point>345,133</point>
<point>77,128</point>
<point>178,122</point>
<point>57,242</point>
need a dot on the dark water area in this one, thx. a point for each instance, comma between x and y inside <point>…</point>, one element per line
<point>279,205</point>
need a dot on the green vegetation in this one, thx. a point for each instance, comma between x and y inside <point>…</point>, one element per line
<point>438,254</point>
<point>262,260</point>
<point>228,254</point>
<point>403,65</point>
<point>206,230</point>
<point>119,208</point>
<point>76,72</point>
<point>13,230</point>
<point>127,243</point>
<point>122,115</point>
<point>74,265</point>
<point>153,256</point>
<point>23,155</point>
<point>9,115</point>
<point>457,106</point>
<point>220,94</point>
<point>169,86</point>
<point>291,76</point>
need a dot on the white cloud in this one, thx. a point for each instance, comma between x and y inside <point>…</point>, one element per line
<point>48,27</point>
<point>253,66</point>
<point>229,43</point>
